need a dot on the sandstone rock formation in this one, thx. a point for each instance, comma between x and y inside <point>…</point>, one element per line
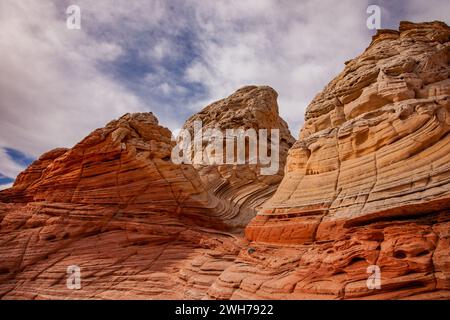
<point>241,188</point>
<point>368,181</point>
<point>112,205</point>
<point>366,185</point>
<point>118,207</point>
<point>375,141</point>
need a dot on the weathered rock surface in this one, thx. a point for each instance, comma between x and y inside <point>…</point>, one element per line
<point>125,163</point>
<point>366,184</point>
<point>115,206</point>
<point>375,142</point>
<point>368,181</point>
<point>118,207</point>
<point>241,188</point>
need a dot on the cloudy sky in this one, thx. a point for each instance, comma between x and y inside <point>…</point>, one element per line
<point>168,57</point>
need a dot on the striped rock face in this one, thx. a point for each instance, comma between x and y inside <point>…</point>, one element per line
<point>136,224</point>
<point>375,144</point>
<point>116,207</point>
<point>358,208</point>
<point>367,184</point>
<point>241,188</point>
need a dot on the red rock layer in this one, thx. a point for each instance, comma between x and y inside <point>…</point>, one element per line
<point>138,225</point>
<point>117,207</point>
<point>366,184</point>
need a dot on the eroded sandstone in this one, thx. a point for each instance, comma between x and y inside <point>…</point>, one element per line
<point>241,188</point>
<point>138,225</point>
<point>366,184</point>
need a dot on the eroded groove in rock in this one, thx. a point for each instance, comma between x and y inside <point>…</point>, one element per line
<point>412,255</point>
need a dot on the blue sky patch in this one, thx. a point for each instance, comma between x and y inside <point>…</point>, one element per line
<point>19,157</point>
<point>5,180</point>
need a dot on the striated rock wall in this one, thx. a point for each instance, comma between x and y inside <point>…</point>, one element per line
<point>375,144</point>
<point>241,188</point>
<point>366,184</point>
<point>138,225</point>
<point>115,206</point>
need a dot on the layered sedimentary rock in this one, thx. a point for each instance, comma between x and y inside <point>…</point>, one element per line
<point>242,186</point>
<point>375,142</point>
<point>137,224</point>
<point>115,206</point>
<point>125,163</point>
<point>365,193</point>
<point>368,181</point>
<point>30,176</point>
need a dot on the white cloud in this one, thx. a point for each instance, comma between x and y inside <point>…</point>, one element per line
<point>162,49</point>
<point>5,186</point>
<point>54,88</point>
<point>295,47</point>
<point>8,167</point>
<point>419,11</point>
<point>52,91</point>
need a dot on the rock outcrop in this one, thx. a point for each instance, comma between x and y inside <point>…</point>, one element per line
<point>368,181</point>
<point>119,208</point>
<point>241,188</point>
<point>114,205</point>
<point>364,192</point>
<point>125,163</point>
<point>375,142</point>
